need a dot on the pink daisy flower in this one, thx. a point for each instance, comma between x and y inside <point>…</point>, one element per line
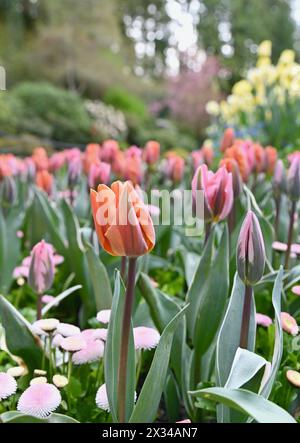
<point>145,338</point>
<point>21,271</point>
<point>47,299</point>
<point>104,316</point>
<point>184,421</point>
<point>67,330</point>
<point>279,246</point>
<point>263,320</point>
<point>8,385</point>
<point>101,398</point>
<point>94,334</point>
<point>73,344</point>
<point>57,340</point>
<point>293,377</point>
<point>288,323</point>
<point>93,351</point>
<point>39,400</point>
<point>296,290</point>
<point>295,247</point>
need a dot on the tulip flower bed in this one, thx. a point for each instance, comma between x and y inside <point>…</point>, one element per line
<point>112,312</point>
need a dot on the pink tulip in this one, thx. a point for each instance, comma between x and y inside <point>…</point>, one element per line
<point>151,152</point>
<point>99,173</point>
<point>57,161</point>
<point>109,150</point>
<point>250,251</point>
<point>41,270</point>
<point>217,189</point>
<point>174,168</point>
<point>197,159</point>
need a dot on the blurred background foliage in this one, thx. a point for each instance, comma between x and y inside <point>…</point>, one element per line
<point>79,71</point>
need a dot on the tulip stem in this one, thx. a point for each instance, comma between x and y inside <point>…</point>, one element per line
<point>39,307</point>
<point>246,317</point>
<point>277,217</point>
<point>122,376</point>
<point>207,231</point>
<point>290,235</point>
<point>123,267</point>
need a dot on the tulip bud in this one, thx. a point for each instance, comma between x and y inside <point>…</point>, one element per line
<point>232,166</point>
<point>227,139</point>
<point>217,191</point>
<point>151,152</point>
<point>99,173</point>
<point>279,178</point>
<point>74,171</point>
<point>44,180</point>
<point>293,179</point>
<point>250,251</point>
<point>41,270</point>
<point>8,191</point>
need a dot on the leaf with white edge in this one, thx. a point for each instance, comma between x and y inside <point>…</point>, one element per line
<point>229,334</point>
<point>254,405</point>
<point>150,395</point>
<point>244,367</point>
<point>19,339</point>
<point>18,417</point>
<point>197,283</point>
<point>99,278</point>
<point>278,345</point>
<point>59,298</point>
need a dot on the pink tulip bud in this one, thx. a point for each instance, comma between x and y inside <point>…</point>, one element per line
<point>109,150</point>
<point>250,251</point>
<point>217,189</point>
<point>293,179</point>
<point>174,167</point>
<point>41,270</point>
<point>74,170</point>
<point>99,174</point>
<point>279,178</point>
<point>8,191</point>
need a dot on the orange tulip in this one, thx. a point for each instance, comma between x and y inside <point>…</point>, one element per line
<point>260,157</point>
<point>91,156</point>
<point>238,154</point>
<point>40,158</point>
<point>271,159</point>
<point>44,180</point>
<point>227,139</point>
<point>122,221</point>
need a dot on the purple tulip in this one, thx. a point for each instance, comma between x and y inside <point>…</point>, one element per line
<point>250,251</point>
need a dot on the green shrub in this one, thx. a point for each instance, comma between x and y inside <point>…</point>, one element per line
<point>126,102</point>
<point>51,112</point>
